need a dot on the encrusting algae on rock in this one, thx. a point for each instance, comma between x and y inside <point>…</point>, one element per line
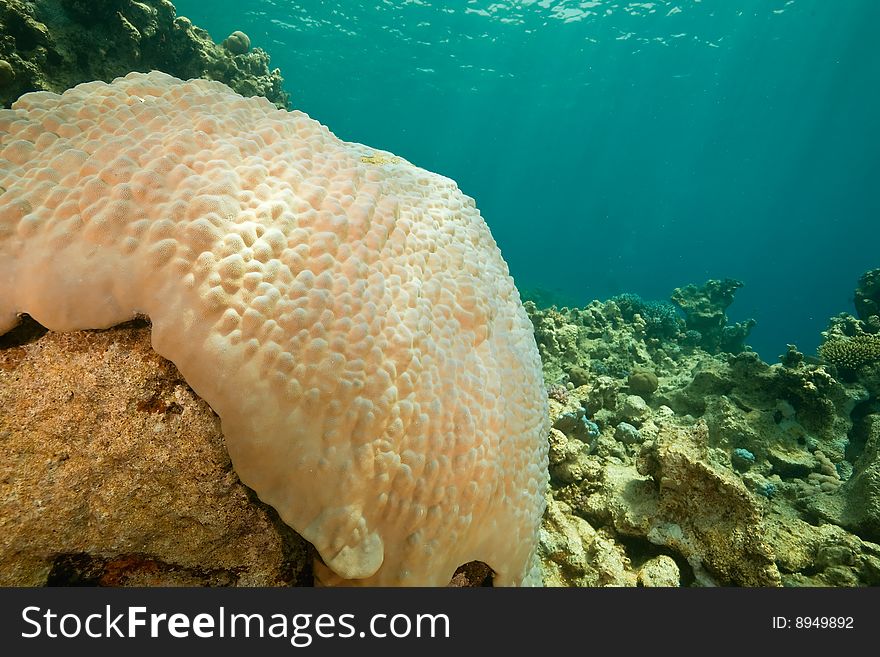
<point>113,472</point>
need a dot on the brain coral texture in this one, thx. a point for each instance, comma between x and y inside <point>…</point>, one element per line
<point>347,314</point>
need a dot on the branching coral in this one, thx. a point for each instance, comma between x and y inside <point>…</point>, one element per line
<point>851,353</point>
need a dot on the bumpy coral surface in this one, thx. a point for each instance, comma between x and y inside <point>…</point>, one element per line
<point>352,323</point>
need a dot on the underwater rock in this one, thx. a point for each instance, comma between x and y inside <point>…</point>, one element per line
<point>790,464</point>
<point>559,447</point>
<point>748,403</point>
<point>867,295</point>
<point>557,341</point>
<point>627,433</point>
<point>570,417</point>
<point>822,405</point>
<point>689,389</point>
<point>705,311</point>
<point>569,462</point>
<point>659,571</point>
<point>732,428</point>
<point>614,495</point>
<point>792,357</point>
<point>581,344</point>
<point>53,45</point>
<point>862,491</point>
<point>705,513</point>
<point>635,410</point>
<point>572,553</point>
<point>602,394</point>
<point>820,555</point>
<point>112,471</point>
<point>678,502</point>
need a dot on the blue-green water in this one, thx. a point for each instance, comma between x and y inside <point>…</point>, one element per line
<point>618,146</point>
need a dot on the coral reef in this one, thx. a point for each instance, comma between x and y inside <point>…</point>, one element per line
<point>705,309</point>
<point>867,295</point>
<point>703,511</point>
<point>659,318</point>
<point>710,466</point>
<point>677,457</point>
<point>53,45</point>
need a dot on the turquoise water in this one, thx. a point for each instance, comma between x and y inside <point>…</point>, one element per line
<point>617,146</point>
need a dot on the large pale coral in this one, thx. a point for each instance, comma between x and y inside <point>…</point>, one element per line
<point>347,314</point>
